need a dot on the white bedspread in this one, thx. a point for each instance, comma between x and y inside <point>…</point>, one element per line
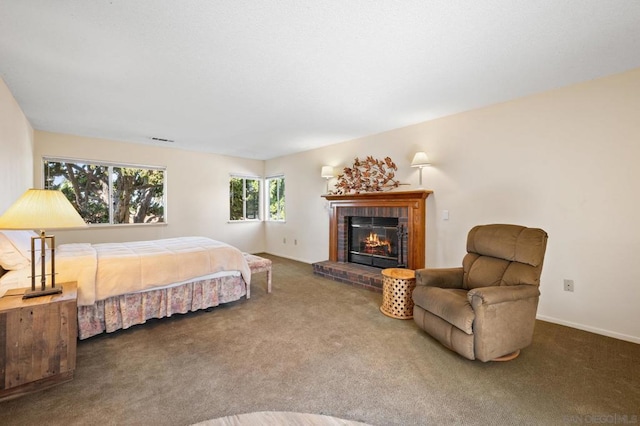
<point>111,269</point>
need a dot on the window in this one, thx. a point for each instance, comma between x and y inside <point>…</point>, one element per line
<point>109,193</point>
<point>275,198</point>
<point>244,198</point>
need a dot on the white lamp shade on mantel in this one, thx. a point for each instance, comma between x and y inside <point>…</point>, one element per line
<point>420,160</point>
<point>327,172</point>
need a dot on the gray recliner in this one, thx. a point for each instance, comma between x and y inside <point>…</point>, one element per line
<point>485,309</point>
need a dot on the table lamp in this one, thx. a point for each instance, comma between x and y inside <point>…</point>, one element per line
<point>40,209</point>
<point>420,160</point>
<point>327,173</point>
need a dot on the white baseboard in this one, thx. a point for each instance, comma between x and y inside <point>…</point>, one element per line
<point>596,330</point>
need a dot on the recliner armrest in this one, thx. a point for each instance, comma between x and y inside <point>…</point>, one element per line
<point>440,277</point>
<point>500,294</point>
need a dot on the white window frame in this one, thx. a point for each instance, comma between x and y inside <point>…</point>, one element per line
<point>110,166</point>
<point>244,197</point>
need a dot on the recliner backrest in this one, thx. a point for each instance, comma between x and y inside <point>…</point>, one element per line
<point>503,255</point>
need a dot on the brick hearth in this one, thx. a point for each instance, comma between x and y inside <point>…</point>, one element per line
<point>363,276</point>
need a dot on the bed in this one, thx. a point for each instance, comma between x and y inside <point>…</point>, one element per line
<point>124,284</point>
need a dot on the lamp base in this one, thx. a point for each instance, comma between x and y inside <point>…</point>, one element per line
<point>37,293</point>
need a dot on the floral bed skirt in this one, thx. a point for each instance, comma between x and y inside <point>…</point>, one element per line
<point>121,312</point>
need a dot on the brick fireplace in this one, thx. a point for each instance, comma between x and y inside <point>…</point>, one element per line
<point>409,207</point>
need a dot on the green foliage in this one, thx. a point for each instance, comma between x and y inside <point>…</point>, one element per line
<point>252,198</point>
<point>276,198</point>
<point>85,186</point>
<point>244,198</point>
<point>236,197</point>
<point>138,194</point>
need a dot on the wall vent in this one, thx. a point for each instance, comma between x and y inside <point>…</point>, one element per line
<point>162,139</point>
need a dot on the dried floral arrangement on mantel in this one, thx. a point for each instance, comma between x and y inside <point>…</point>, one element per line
<point>368,175</point>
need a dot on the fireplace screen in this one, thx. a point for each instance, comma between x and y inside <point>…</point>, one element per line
<point>373,241</point>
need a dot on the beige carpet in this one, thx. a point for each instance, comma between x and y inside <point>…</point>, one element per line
<point>281,418</point>
<point>318,346</point>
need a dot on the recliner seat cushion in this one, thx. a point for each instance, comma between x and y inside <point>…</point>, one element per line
<point>451,305</point>
<point>450,336</point>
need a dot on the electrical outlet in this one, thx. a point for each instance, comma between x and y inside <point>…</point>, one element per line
<point>295,242</point>
<point>568,285</point>
<point>284,241</point>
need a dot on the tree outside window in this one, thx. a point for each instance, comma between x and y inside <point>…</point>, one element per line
<point>109,194</point>
<point>138,195</point>
<point>244,198</point>
<point>275,198</point>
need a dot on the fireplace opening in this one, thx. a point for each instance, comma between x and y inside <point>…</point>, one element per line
<point>373,241</point>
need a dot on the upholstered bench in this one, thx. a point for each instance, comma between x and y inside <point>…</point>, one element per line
<point>258,264</point>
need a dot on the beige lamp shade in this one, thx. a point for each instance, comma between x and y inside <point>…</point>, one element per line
<point>41,209</point>
<point>420,160</point>
<point>327,172</point>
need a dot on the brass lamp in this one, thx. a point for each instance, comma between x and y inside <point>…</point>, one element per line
<point>40,209</point>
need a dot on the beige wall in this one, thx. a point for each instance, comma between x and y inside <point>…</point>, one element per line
<point>565,161</point>
<point>197,190</point>
<point>16,149</point>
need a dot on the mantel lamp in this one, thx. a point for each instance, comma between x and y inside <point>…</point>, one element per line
<point>327,173</point>
<point>420,160</point>
<point>40,209</point>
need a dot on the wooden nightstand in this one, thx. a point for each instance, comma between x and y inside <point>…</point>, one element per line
<point>37,341</point>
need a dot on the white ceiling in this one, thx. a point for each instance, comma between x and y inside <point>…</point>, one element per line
<point>261,79</point>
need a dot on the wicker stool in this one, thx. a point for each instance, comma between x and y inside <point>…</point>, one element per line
<point>397,286</point>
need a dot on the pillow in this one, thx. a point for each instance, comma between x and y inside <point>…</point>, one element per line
<point>12,257</point>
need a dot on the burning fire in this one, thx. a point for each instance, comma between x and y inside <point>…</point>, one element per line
<point>373,244</point>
